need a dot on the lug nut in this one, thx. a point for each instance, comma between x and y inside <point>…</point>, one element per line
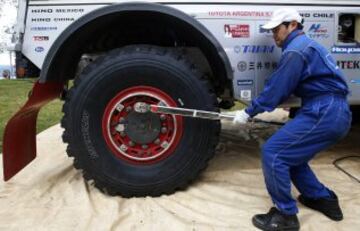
<point>164,144</point>
<point>122,120</point>
<point>131,143</point>
<point>157,141</point>
<point>162,117</point>
<point>144,146</point>
<point>163,130</point>
<point>122,134</point>
<point>123,147</point>
<point>120,128</point>
<point>119,107</point>
<point>128,109</point>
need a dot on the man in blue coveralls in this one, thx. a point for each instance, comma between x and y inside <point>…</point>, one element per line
<point>306,70</point>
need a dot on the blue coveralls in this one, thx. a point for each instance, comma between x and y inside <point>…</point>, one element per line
<point>306,70</point>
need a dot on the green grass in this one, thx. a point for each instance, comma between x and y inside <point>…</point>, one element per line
<point>13,95</point>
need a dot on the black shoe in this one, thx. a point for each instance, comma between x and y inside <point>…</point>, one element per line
<point>328,206</point>
<point>274,220</point>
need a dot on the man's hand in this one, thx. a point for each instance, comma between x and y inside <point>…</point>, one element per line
<point>241,117</point>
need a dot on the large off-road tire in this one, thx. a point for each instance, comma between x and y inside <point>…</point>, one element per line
<point>132,154</point>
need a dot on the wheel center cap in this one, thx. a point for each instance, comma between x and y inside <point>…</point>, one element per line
<point>142,128</point>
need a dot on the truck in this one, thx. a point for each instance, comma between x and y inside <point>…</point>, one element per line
<point>202,55</point>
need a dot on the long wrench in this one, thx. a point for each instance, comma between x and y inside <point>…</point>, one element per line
<point>142,107</point>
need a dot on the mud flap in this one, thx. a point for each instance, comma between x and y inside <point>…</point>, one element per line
<point>19,147</point>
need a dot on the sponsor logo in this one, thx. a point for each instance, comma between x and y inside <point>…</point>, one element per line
<point>69,10</point>
<point>345,50</point>
<point>255,49</point>
<point>240,14</point>
<point>245,94</point>
<point>64,19</point>
<point>242,66</point>
<point>264,31</point>
<point>317,31</point>
<point>41,20</point>
<point>41,38</point>
<point>349,64</point>
<point>43,28</point>
<point>243,82</point>
<point>317,15</point>
<point>355,81</point>
<point>237,31</point>
<point>39,49</point>
<point>323,15</point>
<point>267,65</point>
<point>41,11</point>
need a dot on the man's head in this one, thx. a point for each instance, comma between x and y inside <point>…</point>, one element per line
<point>282,23</point>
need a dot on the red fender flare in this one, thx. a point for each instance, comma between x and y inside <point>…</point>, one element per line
<point>19,143</point>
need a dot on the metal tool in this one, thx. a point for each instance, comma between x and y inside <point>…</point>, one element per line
<point>142,107</point>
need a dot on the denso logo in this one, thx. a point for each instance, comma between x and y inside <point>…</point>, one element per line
<point>317,28</point>
<point>254,49</point>
<point>39,49</point>
<point>318,31</point>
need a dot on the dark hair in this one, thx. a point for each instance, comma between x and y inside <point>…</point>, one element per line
<point>299,25</point>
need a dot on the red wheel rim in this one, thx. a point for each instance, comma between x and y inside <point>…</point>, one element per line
<point>141,138</point>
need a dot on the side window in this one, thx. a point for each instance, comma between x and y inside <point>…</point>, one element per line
<point>349,29</point>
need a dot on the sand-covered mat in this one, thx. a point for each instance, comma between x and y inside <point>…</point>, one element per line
<point>50,194</point>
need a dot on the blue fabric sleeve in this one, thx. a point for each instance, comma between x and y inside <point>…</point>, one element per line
<point>280,85</point>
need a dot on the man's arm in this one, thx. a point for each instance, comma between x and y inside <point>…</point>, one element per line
<point>280,85</point>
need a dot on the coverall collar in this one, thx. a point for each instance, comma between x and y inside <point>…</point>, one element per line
<point>290,37</point>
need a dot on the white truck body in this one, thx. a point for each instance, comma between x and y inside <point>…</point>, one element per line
<point>251,50</point>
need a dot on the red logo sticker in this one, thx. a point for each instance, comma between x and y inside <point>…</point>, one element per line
<point>237,31</point>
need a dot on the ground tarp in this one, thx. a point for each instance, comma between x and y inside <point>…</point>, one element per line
<point>50,194</point>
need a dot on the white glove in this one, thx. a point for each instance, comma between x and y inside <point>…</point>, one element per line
<point>241,117</point>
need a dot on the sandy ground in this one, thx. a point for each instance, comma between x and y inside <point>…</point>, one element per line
<point>51,195</point>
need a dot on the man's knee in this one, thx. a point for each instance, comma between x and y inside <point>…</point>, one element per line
<point>267,155</point>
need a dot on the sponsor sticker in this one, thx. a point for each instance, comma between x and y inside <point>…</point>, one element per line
<point>43,28</point>
<point>242,66</point>
<point>263,14</point>
<point>264,31</point>
<point>348,64</point>
<point>40,19</point>
<point>260,65</point>
<point>245,82</point>
<point>345,50</point>
<point>39,49</point>
<point>355,81</point>
<point>255,49</point>
<point>317,15</point>
<point>41,38</point>
<point>245,94</point>
<point>237,30</point>
<point>317,31</point>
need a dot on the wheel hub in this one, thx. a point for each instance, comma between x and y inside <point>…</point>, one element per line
<point>142,128</point>
<point>141,138</point>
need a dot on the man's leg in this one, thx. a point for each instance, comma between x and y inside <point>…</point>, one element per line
<point>306,182</point>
